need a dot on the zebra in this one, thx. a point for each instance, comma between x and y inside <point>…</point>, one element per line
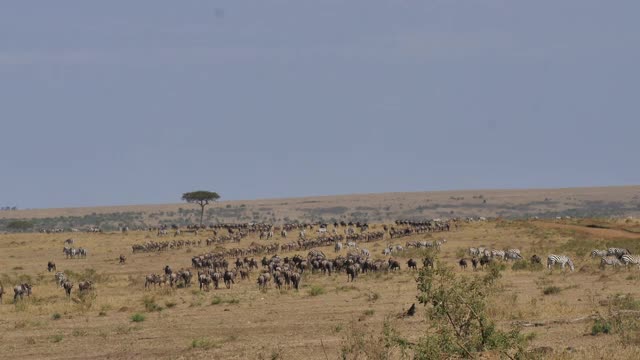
<point>82,252</point>
<point>630,259</point>
<point>473,251</point>
<point>337,247</point>
<point>512,254</point>
<point>498,253</point>
<point>598,253</point>
<point>21,290</point>
<point>365,252</point>
<point>559,259</point>
<point>85,286</point>
<point>60,278</point>
<point>617,252</point>
<point>609,260</point>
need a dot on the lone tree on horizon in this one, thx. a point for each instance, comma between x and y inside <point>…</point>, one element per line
<point>201,198</point>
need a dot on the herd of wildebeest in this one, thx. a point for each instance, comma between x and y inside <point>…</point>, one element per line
<point>225,266</point>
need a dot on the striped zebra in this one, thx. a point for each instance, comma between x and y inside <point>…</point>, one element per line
<point>473,251</point>
<point>498,253</point>
<point>559,259</point>
<point>609,261</point>
<point>630,259</point>
<point>598,253</point>
<point>513,254</point>
<point>617,252</point>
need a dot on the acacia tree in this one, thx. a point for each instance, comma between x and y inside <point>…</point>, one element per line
<point>202,198</point>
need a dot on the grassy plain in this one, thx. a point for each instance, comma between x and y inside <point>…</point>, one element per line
<point>327,319</point>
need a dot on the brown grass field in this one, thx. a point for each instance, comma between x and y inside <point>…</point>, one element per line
<point>581,202</point>
<point>244,323</point>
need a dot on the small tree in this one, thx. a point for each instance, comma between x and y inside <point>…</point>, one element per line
<point>201,198</point>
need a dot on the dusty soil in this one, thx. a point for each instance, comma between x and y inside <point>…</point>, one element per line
<point>249,324</point>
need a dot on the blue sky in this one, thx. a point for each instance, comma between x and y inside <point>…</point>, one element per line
<point>130,102</point>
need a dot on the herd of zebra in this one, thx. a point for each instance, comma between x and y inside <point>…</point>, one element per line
<point>616,257</point>
<point>71,252</point>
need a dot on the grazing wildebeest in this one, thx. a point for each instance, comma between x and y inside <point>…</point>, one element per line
<point>352,273</point>
<point>485,260</point>
<point>167,270</point>
<point>1,293</point>
<point>463,264</point>
<point>21,290</point>
<point>85,286</point>
<point>51,266</point>
<point>204,280</point>
<point>474,263</point>
<point>244,273</point>
<point>122,259</point>
<point>535,259</point>
<point>428,262</point>
<point>394,264</point>
<point>412,264</point>
<point>68,241</point>
<point>263,280</point>
<point>295,280</point>
<point>67,285</point>
<point>229,278</point>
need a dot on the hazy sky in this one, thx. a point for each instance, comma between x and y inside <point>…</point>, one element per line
<point>128,102</point>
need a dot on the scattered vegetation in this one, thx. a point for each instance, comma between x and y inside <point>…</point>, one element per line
<point>138,317</point>
<point>205,344</point>
<point>551,290</point>
<point>316,290</point>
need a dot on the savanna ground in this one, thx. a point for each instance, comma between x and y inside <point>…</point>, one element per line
<point>327,319</point>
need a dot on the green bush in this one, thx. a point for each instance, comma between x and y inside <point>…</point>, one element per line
<point>150,304</point>
<point>601,326</point>
<point>138,317</point>
<point>203,343</point>
<point>56,316</point>
<point>316,290</point>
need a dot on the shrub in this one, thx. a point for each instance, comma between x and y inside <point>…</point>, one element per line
<point>551,290</point>
<point>150,304</point>
<point>203,343</point>
<point>458,316</point>
<point>170,304</point>
<point>316,290</point>
<point>56,316</point>
<point>600,326</point>
<point>56,338</point>
<point>138,317</point>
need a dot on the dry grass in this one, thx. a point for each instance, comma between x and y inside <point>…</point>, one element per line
<point>244,323</point>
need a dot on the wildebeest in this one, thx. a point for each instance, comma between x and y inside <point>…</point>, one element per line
<point>21,290</point>
<point>229,278</point>
<point>51,266</point>
<point>485,260</point>
<point>204,280</point>
<point>122,259</point>
<point>535,259</point>
<point>394,264</point>
<point>474,263</point>
<point>244,273</point>
<point>263,281</point>
<point>1,293</point>
<point>85,286</point>
<point>463,264</point>
<point>67,285</point>
<point>295,280</point>
<point>428,262</point>
<point>352,273</point>
<point>412,264</point>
